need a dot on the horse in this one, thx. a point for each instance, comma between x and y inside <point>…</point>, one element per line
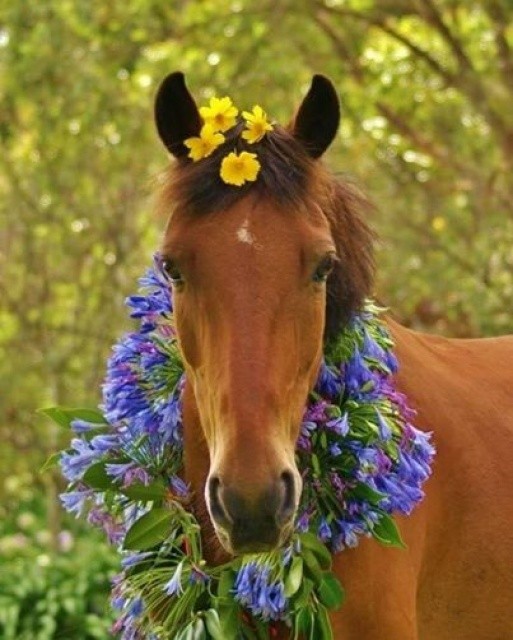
<point>263,276</point>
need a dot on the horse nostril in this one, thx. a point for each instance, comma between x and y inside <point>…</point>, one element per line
<point>217,509</point>
<point>288,504</point>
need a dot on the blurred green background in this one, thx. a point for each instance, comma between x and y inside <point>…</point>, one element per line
<point>427,93</point>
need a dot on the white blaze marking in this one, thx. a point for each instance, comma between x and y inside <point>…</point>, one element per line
<point>244,234</point>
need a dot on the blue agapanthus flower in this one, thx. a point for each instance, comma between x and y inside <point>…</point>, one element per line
<point>256,590</point>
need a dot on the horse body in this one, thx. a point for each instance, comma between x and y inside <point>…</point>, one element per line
<point>454,581</point>
<point>256,292</point>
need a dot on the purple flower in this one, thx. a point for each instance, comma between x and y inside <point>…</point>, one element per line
<point>82,426</point>
<point>114,529</point>
<point>174,586</point>
<point>422,446</point>
<point>340,425</point>
<point>255,590</point>
<point>74,501</point>
<point>360,380</point>
<point>337,483</point>
<point>324,531</point>
<point>371,348</point>
<point>385,432</point>
<point>136,474</point>
<point>135,608</point>
<point>335,450</point>
<point>315,412</point>
<point>328,383</point>
<point>136,392</point>
<point>198,576</point>
<point>179,487</point>
<point>303,522</point>
<point>105,443</point>
<point>132,559</point>
<point>118,602</point>
<point>348,533</point>
<point>74,463</point>
<point>118,470</point>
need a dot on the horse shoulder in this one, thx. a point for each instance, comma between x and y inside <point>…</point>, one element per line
<point>460,540</point>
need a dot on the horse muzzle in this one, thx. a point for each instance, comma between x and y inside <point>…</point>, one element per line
<point>254,520</point>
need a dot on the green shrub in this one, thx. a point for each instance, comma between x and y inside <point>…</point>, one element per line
<point>65,595</point>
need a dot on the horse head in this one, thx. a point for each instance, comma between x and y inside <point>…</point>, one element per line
<point>263,274</point>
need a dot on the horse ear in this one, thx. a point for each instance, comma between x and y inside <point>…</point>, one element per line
<point>317,119</point>
<point>176,114</point>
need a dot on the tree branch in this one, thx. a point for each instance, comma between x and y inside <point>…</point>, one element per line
<point>500,22</point>
<point>383,25</point>
<point>430,12</point>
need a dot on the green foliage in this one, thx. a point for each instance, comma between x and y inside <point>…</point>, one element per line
<point>52,592</point>
<point>55,572</point>
<point>44,597</point>
<point>151,529</point>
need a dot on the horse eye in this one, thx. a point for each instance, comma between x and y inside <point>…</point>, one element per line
<point>324,268</point>
<point>172,271</point>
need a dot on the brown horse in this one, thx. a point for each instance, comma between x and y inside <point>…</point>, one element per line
<point>263,275</point>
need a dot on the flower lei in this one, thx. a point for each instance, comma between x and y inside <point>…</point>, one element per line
<point>360,457</point>
<point>221,115</point>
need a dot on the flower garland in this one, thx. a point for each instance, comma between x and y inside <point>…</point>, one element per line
<point>360,457</point>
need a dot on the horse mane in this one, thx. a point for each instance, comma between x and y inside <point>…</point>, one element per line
<point>291,178</point>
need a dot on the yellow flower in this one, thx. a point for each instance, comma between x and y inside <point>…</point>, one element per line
<point>207,142</point>
<point>256,125</point>
<point>221,114</point>
<point>238,169</point>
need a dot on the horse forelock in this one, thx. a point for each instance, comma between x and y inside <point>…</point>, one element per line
<point>290,178</point>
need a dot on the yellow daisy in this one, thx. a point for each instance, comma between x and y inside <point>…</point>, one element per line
<point>256,125</point>
<point>238,169</point>
<point>203,145</point>
<point>221,114</point>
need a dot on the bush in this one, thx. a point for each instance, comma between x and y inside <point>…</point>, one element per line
<point>47,595</point>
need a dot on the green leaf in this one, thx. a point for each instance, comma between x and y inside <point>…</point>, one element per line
<point>145,493</point>
<point>97,478</point>
<point>303,595</point>
<point>312,566</point>
<point>225,585</point>
<point>229,620</point>
<point>199,631</point>
<point>304,624</point>
<point>323,629</point>
<point>152,528</point>
<point>51,462</point>
<point>64,416</point>
<point>185,633</point>
<point>364,492</point>
<point>213,624</point>
<point>330,591</point>
<point>57,415</point>
<point>386,531</point>
<point>367,386</point>
<point>294,577</point>
<point>312,542</point>
<point>334,411</point>
<point>89,415</point>
<point>315,464</point>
